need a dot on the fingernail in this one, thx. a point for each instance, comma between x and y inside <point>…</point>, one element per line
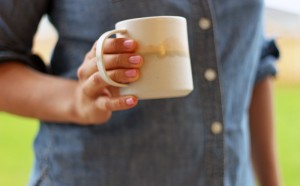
<point>135,59</point>
<point>130,73</point>
<point>128,43</point>
<point>130,101</point>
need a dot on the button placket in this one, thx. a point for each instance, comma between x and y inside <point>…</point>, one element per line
<point>204,23</point>
<point>210,74</point>
<point>216,128</point>
<point>210,91</point>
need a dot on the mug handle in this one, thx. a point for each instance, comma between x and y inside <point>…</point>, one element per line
<point>99,56</point>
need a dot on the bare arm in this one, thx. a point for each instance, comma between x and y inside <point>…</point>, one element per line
<point>262,128</point>
<point>29,93</point>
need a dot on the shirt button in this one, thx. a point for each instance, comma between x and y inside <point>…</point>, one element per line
<point>210,74</point>
<point>204,23</point>
<point>216,127</point>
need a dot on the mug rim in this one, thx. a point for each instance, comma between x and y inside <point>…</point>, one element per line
<point>152,18</point>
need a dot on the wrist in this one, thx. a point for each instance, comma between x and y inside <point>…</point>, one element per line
<point>72,106</point>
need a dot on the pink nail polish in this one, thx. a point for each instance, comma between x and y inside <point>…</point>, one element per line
<point>128,43</point>
<point>130,101</point>
<point>135,59</point>
<point>130,73</point>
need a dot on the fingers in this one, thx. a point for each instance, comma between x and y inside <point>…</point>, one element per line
<point>94,84</point>
<point>115,104</point>
<point>119,45</point>
<point>118,53</point>
<point>114,46</point>
<point>124,75</point>
<point>115,61</point>
<point>87,69</point>
<point>111,61</point>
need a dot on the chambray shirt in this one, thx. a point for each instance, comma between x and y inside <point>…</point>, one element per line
<point>198,140</point>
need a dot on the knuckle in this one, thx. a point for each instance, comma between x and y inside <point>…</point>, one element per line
<point>86,56</point>
<point>115,75</point>
<point>85,90</point>
<point>111,105</point>
<point>89,55</point>
<point>96,79</point>
<point>107,104</point>
<point>114,44</point>
<point>80,72</point>
<point>119,60</point>
<point>118,103</point>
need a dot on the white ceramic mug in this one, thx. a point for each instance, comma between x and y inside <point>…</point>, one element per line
<point>163,43</point>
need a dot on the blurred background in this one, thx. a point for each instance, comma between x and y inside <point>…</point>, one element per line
<point>282,21</point>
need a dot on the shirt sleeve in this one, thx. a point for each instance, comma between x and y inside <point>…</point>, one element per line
<point>269,56</point>
<point>18,24</point>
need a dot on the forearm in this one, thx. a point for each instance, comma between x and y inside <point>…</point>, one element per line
<point>90,100</point>
<point>263,135</point>
<point>29,93</point>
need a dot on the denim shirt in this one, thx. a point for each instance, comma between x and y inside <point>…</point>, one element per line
<point>198,140</point>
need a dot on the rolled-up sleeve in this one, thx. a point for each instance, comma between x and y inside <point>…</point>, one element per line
<point>18,24</point>
<point>268,58</point>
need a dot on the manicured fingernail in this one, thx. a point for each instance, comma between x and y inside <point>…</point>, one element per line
<point>135,59</point>
<point>130,101</point>
<point>128,43</point>
<point>130,73</point>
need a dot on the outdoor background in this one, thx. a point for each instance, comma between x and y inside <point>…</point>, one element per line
<point>282,22</point>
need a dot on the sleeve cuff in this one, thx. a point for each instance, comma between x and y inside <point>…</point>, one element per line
<point>32,60</point>
<point>268,58</point>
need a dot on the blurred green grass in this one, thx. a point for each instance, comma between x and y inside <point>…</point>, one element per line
<point>17,134</point>
<point>16,155</point>
<point>287,105</point>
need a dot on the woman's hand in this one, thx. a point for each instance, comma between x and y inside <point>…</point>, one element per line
<point>94,99</point>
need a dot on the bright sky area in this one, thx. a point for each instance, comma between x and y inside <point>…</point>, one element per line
<point>291,6</point>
